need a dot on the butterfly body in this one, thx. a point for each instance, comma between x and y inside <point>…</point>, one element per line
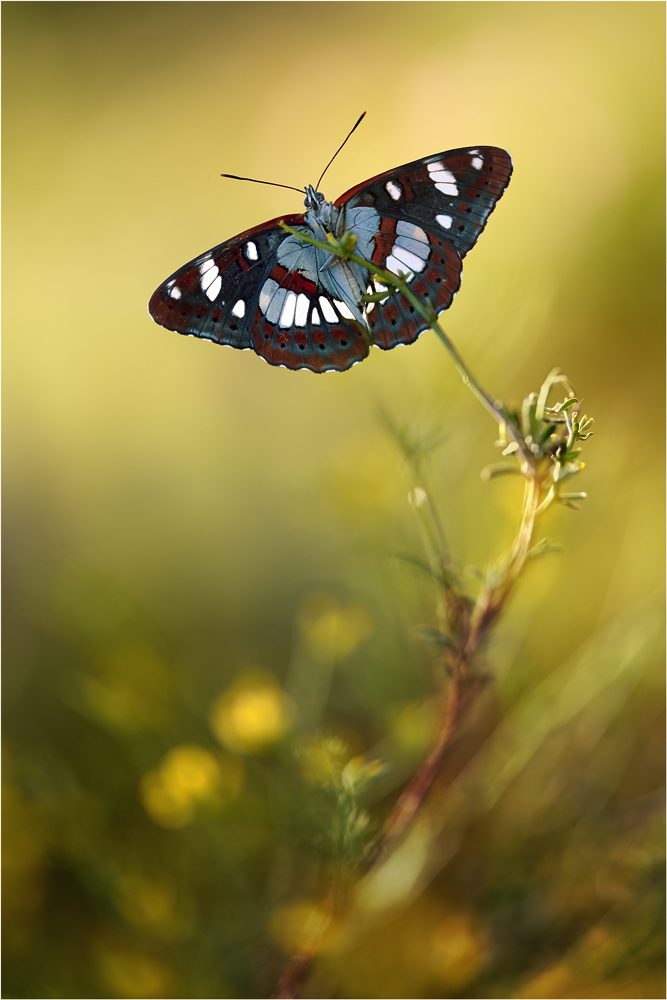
<point>299,306</point>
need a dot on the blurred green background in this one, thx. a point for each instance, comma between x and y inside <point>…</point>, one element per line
<point>187,529</point>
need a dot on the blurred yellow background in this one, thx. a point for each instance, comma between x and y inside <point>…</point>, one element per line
<point>187,529</point>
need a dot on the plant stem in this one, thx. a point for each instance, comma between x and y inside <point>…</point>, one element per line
<point>415,792</point>
<point>294,975</point>
<point>474,629</point>
<point>468,625</point>
<point>531,502</point>
<point>428,314</point>
<point>479,391</point>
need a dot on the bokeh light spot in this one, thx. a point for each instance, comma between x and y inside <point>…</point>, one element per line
<point>188,776</point>
<point>299,926</point>
<point>253,715</point>
<point>332,630</point>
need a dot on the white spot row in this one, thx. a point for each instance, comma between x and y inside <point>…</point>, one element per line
<point>283,307</point>
<point>210,279</point>
<point>251,251</point>
<point>239,309</point>
<point>393,190</point>
<point>289,308</point>
<point>410,251</point>
<point>444,180</point>
<point>413,240</point>
<point>175,292</point>
<point>444,220</point>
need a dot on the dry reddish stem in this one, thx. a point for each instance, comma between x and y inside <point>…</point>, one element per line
<point>293,977</point>
<point>417,789</point>
<point>470,631</point>
<point>422,781</point>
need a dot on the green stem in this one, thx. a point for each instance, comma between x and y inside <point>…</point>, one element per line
<point>531,502</point>
<point>482,395</point>
<point>428,314</point>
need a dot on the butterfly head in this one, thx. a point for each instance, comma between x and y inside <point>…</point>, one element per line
<point>314,198</point>
<point>320,212</point>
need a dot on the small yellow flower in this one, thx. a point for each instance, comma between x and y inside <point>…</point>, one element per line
<point>253,715</point>
<point>332,630</point>
<point>188,776</point>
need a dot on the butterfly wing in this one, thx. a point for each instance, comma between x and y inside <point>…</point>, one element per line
<point>432,268</point>
<point>238,294</point>
<point>212,295</point>
<point>431,213</point>
<point>451,193</point>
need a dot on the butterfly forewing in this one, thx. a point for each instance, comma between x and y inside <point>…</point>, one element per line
<point>213,296</point>
<point>451,193</point>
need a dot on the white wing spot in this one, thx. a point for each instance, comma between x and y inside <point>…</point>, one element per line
<point>444,180</point>
<point>411,260</point>
<point>208,277</point>
<point>444,220</point>
<point>276,304</point>
<point>477,162</point>
<point>175,292</point>
<point>473,151</point>
<point>438,173</point>
<point>239,309</point>
<point>393,190</point>
<point>328,310</point>
<point>415,232</point>
<point>289,306</point>
<point>398,266</point>
<point>413,239</point>
<point>344,310</point>
<point>268,289</point>
<point>302,307</point>
<point>206,265</point>
<point>251,251</point>
<point>315,318</point>
<point>214,290</point>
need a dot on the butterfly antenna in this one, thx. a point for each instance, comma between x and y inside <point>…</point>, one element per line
<point>339,149</point>
<point>289,187</point>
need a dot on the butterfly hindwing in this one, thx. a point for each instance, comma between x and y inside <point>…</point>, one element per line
<point>432,268</point>
<point>452,193</point>
<point>297,324</point>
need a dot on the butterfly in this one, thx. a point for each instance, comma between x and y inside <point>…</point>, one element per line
<point>301,307</point>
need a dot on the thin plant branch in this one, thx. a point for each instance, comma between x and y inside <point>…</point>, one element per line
<point>544,440</point>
